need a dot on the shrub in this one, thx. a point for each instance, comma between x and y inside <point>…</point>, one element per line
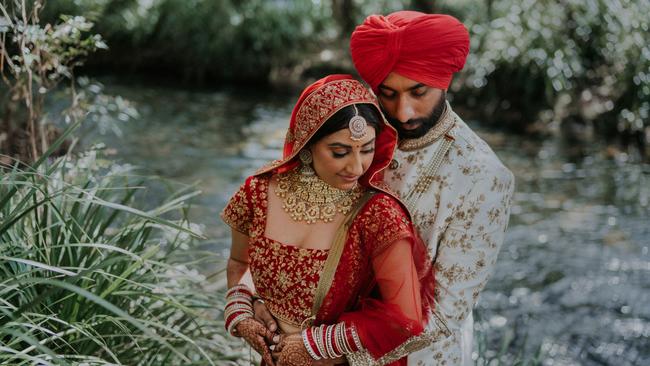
<point>203,40</point>
<point>583,60</point>
<point>87,276</point>
<point>34,60</point>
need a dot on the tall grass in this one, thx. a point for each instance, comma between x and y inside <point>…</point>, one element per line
<point>89,276</point>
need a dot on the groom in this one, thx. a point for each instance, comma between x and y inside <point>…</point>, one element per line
<point>457,190</point>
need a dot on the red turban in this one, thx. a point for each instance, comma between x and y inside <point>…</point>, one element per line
<point>427,48</point>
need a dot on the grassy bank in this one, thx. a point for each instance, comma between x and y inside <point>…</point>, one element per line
<point>89,273</point>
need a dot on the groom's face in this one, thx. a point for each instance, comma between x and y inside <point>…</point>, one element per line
<point>413,108</point>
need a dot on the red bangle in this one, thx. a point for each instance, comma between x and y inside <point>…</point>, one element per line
<point>233,302</point>
<point>334,343</point>
<point>350,339</point>
<point>231,317</point>
<point>239,288</point>
<point>312,342</point>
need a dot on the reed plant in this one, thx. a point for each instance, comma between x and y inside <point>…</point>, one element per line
<point>93,271</point>
<point>88,276</point>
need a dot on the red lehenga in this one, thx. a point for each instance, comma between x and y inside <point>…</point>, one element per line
<point>286,276</point>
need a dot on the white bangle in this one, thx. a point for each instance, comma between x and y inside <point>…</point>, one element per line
<point>310,350</point>
<point>355,336</point>
<point>228,314</point>
<point>319,339</point>
<point>328,342</point>
<point>238,319</point>
<point>339,335</point>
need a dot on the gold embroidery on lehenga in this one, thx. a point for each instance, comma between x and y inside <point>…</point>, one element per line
<point>286,277</point>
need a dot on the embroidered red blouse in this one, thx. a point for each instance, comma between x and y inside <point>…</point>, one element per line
<point>286,277</point>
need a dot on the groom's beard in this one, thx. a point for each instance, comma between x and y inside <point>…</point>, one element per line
<point>426,123</point>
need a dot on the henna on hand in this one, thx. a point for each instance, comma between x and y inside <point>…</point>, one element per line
<point>292,352</point>
<point>255,333</point>
<point>330,361</point>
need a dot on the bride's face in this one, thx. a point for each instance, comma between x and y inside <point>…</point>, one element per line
<point>341,161</point>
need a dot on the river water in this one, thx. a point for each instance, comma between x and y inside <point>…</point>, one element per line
<point>572,283</point>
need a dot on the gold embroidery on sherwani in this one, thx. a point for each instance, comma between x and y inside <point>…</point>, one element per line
<point>462,216</point>
<point>427,175</point>
<point>413,344</point>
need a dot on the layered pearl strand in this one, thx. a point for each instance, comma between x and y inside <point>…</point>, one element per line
<point>427,175</point>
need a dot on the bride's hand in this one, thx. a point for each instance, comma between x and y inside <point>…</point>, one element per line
<point>256,334</point>
<point>290,351</point>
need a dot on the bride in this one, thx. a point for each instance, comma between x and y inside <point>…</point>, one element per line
<point>332,254</point>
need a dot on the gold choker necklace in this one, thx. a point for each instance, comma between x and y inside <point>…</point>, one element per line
<point>308,198</point>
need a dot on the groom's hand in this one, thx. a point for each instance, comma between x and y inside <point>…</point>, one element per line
<point>256,334</point>
<point>263,316</point>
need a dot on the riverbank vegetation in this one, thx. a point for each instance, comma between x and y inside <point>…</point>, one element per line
<point>92,269</point>
<point>571,67</point>
<point>91,275</point>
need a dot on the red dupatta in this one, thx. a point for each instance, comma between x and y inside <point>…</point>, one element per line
<point>315,106</point>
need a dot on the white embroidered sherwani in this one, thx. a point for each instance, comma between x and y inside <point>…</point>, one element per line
<point>462,216</point>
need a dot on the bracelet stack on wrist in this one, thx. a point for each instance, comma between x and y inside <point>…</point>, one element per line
<point>331,341</point>
<point>239,306</point>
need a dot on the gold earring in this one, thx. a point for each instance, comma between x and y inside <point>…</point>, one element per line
<point>306,159</point>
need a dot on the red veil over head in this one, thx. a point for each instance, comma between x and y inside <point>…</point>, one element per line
<point>428,48</point>
<point>317,103</point>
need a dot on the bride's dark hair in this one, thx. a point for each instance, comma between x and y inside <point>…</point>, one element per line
<point>341,119</point>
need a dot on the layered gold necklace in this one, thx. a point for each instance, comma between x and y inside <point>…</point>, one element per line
<point>308,198</point>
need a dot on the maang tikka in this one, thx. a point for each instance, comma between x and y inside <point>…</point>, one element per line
<point>357,126</point>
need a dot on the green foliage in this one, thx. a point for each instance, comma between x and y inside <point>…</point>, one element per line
<point>586,60</point>
<point>34,60</point>
<point>533,64</point>
<point>203,39</point>
<point>88,276</point>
